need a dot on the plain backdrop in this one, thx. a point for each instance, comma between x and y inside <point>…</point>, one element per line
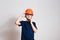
<point>47,18</point>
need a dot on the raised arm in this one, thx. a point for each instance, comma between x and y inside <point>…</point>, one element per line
<point>18,19</point>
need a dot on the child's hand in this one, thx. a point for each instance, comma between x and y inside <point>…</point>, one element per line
<point>30,21</point>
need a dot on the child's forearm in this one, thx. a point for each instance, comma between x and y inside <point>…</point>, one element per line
<point>18,19</point>
<point>34,29</point>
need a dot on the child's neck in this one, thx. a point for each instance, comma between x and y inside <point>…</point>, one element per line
<point>27,20</point>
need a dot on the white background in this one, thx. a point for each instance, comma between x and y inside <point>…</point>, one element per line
<point>47,17</point>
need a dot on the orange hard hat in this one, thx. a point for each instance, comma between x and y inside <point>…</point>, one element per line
<point>29,11</point>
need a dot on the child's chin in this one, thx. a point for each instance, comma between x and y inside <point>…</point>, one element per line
<point>29,19</point>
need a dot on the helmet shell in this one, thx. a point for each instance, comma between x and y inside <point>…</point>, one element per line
<point>29,11</point>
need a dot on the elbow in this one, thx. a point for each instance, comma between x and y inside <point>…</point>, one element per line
<point>16,23</point>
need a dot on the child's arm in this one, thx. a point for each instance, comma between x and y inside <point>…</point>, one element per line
<point>18,20</point>
<point>34,28</point>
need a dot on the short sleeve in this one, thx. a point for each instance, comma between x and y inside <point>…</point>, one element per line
<point>20,22</point>
<point>35,25</point>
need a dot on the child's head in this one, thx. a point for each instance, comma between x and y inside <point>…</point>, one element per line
<point>28,14</point>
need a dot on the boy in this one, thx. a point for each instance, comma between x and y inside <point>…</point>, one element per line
<point>28,27</point>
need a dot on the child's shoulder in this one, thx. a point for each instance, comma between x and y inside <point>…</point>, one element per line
<point>27,21</point>
<point>33,22</point>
